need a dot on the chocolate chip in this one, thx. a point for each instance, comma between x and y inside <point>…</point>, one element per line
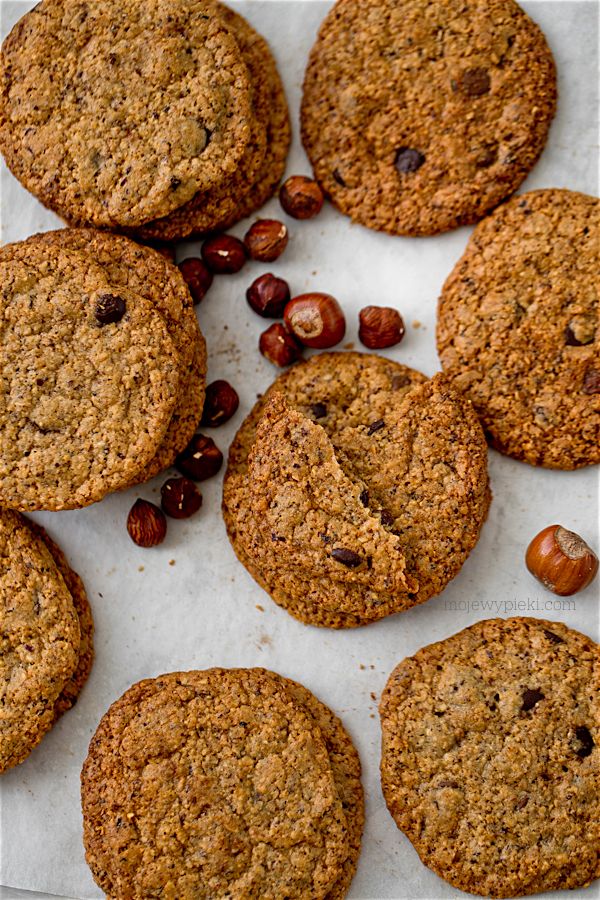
<point>364,497</point>
<point>175,183</point>
<point>475,82</point>
<point>386,517</point>
<point>570,339</point>
<point>408,160</point>
<point>487,156</point>
<point>375,426</point>
<point>399,381</point>
<point>338,178</point>
<point>554,638</point>
<point>587,742</point>
<point>346,557</point>
<point>530,697</point>
<point>522,803</point>
<point>449,784</point>
<point>319,410</point>
<point>591,381</point>
<point>109,308</point>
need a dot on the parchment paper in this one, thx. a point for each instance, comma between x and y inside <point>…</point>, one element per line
<point>190,604</point>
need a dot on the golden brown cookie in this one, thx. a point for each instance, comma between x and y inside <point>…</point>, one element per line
<point>491,756</point>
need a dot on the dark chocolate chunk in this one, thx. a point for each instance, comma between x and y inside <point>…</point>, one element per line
<point>109,308</point>
<point>386,518</point>
<point>591,381</point>
<point>587,742</point>
<point>346,557</point>
<point>554,638</point>
<point>408,160</point>
<point>338,178</point>
<point>475,82</point>
<point>530,697</point>
<point>376,426</point>
<point>319,410</point>
<point>364,497</point>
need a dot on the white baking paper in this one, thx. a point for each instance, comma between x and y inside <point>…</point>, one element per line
<point>190,604</point>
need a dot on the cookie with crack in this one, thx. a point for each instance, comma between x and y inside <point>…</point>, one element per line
<point>518,328</point>
<point>422,116</point>
<point>491,756</point>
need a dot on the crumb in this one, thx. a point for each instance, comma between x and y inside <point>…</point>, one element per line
<point>372,667</point>
<point>260,608</point>
<point>314,273</point>
<point>265,640</point>
<point>362,668</point>
<point>373,695</point>
<point>416,324</point>
<point>258,396</point>
<point>140,568</point>
<point>349,345</point>
<point>99,594</point>
<point>171,562</point>
<point>372,716</point>
<point>225,327</point>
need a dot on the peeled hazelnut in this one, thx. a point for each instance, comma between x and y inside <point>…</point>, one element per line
<point>180,498</point>
<point>201,459</point>
<point>224,254</point>
<point>268,295</point>
<point>146,524</point>
<point>197,276</point>
<point>380,326</point>
<point>316,320</point>
<point>278,346</point>
<point>561,560</point>
<point>266,240</point>
<point>301,197</point>
<point>220,403</point>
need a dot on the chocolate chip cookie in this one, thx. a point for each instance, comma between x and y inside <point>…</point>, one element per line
<point>518,328</point>
<point>491,756</point>
<point>422,116</point>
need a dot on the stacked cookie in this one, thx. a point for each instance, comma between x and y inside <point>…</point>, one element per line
<point>223,783</point>
<point>102,366</point>
<point>47,628</point>
<point>356,488</point>
<point>171,117</point>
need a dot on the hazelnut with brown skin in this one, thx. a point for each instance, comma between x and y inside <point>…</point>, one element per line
<point>224,254</point>
<point>146,524</point>
<point>266,240</point>
<point>197,276</point>
<point>301,197</point>
<point>268,296</point>
<point>220,403</point>
<point>561,560</point>
<point>278,346</point>
<point>201,459</point>
<point>380,326</point>
<point>316,320</point>
<point>180,498</point>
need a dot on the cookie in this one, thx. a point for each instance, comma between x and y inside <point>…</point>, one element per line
<point>149,275</point>
<point>422,116</point>
<point>212,784</point>
<point>40,639</point>
<point>150,103</point>
<point>89,379</point>
<point>491,756</point>
<point>518,328</point>
<point>405,459</point>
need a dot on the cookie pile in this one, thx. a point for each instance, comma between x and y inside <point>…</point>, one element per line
<point>47,633</point>
<point>171,117</point>
<point>102,366</point>
<point>222,783</point>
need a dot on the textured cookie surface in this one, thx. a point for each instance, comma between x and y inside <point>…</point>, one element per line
<point>518,328</point>
<point>491,756</point>
<point>212,784</point>
<point>40,638</point>
<point>151,102</point>
<point>409,451</point>
<point>421,116</point>
<point>85,405</point>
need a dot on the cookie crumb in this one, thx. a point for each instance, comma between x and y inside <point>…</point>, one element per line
<point>417,324</point>
<point>260,608</point>
<point>171,562</point>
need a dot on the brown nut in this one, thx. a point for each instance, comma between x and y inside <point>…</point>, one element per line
<point>268,295</point>
<point>201,459</point>
<point>266,240</point>
<point>278,346</point>
<point>197,276</point>
<point>301,197</point>
<point>380,326</point>
<point>224,254</point>
<point>146,524</point>
<point>180,498</point>
<point>316,320</point>
<point>220,403</point>
<point>561,560</point>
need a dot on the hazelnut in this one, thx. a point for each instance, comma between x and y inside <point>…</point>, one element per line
<point>220,403</point>
<point>278,346</point>
<point>224,254</point>
<point>146,524</point>
<point>561,560</point>
<point>379,327</point>
<point>316,320</point>
<point>197,276</point>
<point>266,240</point>
<point>201,459</point>
<point>268,295</point>
<point>301,197</point>
<point>180,498</point>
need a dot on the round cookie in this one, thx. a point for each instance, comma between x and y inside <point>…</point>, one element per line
<point>211,784</point>
<point>40,639</point>
<point>422,116</point>
<point>86,401</point>
<point>518,328</point>
<point>400,445</point>
<point>491,756</point>
<point>151,104</point>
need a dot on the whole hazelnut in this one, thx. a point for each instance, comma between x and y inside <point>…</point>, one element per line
<point>266,240</point>
<point>224,254</point>
<point>278,346</point>
<point>268,295</point>
<point>197,276</point>
<point>301,197</point>
<point>146,524</point>
<point>561,560</point>
<point>380,326</point>
<point>316,320</point>
<point>201,459</point>
<point>220,403</point>
<point>180,498</point>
